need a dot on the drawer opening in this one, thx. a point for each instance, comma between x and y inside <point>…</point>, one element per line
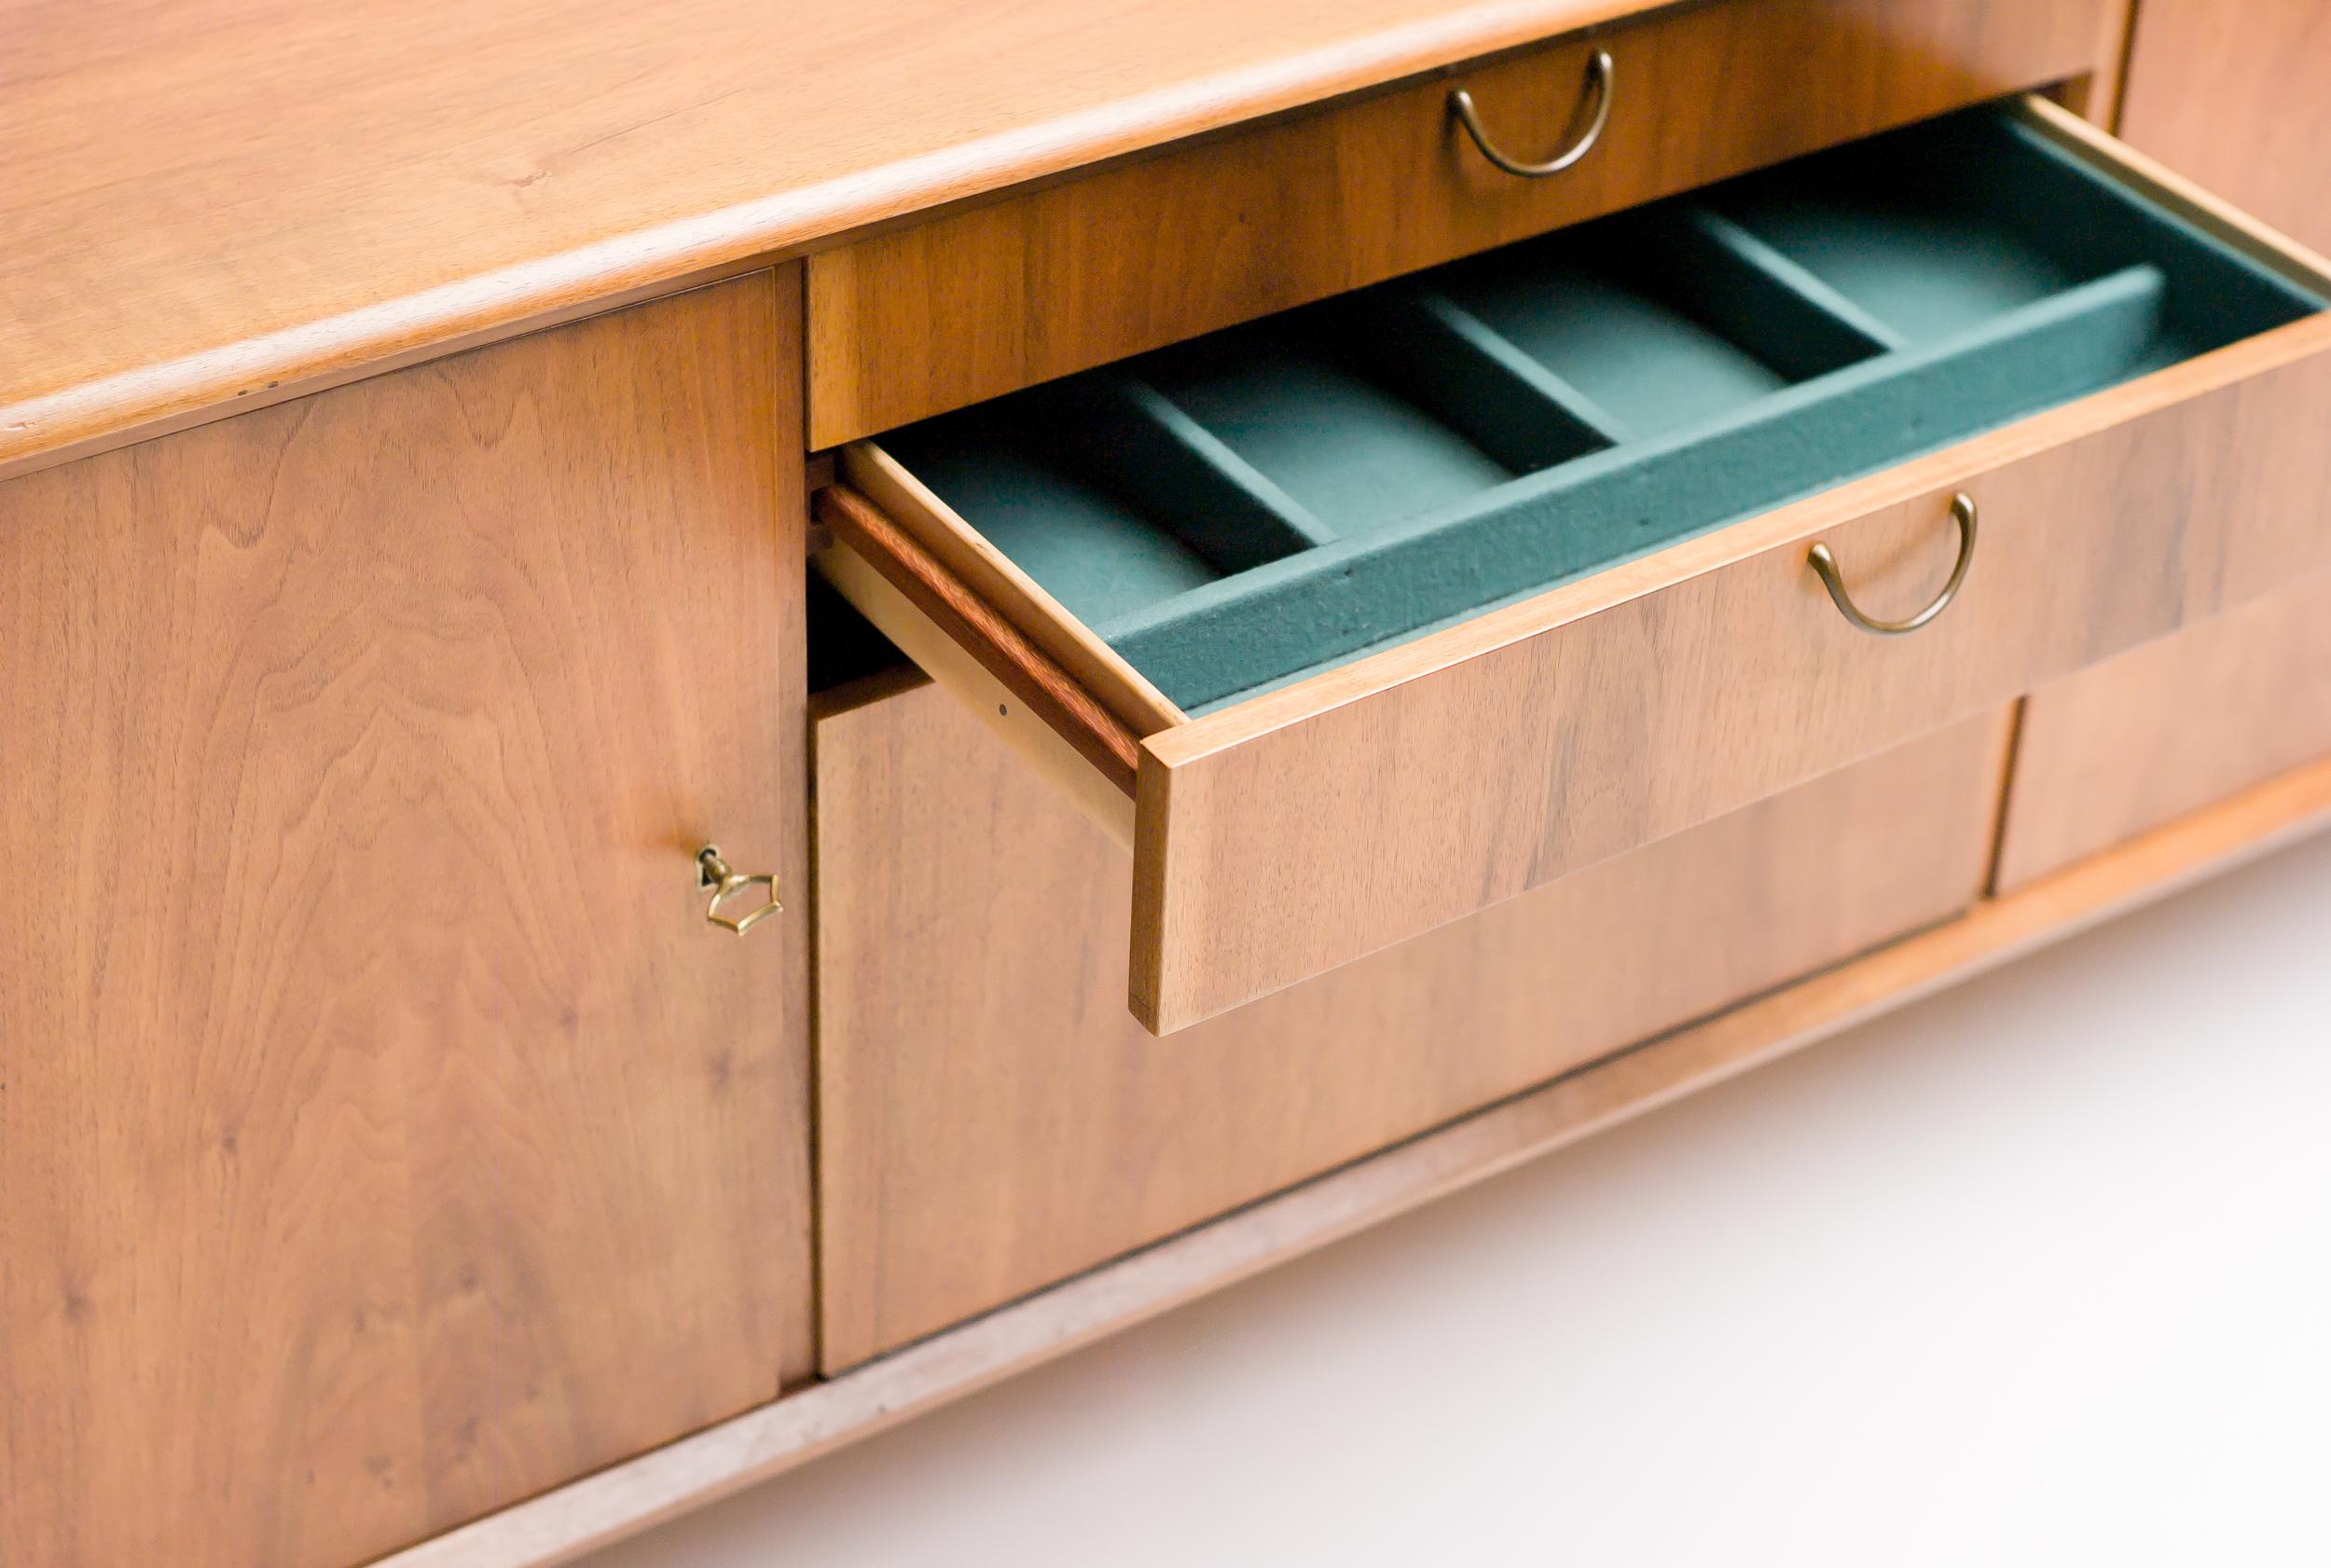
<point>1243,511</point>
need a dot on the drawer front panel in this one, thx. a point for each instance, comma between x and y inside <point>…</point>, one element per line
<point>2168,729</point>
<point>924,318</point>
<point>1297,832</point>
<point>992,1121</point>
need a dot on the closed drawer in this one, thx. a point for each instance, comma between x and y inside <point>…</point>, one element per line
<point>1356,620</point>
<point>990,1120</point>
<point>948,312</point>
<point>2168,728</point>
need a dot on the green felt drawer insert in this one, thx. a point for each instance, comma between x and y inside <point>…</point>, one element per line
<point>1255,505</point>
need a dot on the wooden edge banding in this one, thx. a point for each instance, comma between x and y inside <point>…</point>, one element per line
<point>988,573</point>
<point>1153,830</point>
<point>999,647</point>
<point>561,1525</point>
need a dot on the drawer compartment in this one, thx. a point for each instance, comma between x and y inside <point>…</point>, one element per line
<point>990,1120</point>
<point>1362,618</point>
<point>939,314</point>
<point>2168,728</point>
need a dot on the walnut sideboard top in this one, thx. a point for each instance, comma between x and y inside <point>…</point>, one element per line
<point>211,207</point>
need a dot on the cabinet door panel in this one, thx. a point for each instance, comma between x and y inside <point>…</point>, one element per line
<point>384,1137</point>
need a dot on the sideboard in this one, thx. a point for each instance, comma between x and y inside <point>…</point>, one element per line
<point>718,723</point>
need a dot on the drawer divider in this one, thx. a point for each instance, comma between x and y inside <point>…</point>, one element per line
<point>1475,379</point>
<point>1137,441</point>
<point>1753,294</point>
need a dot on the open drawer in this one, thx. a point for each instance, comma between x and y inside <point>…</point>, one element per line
<point>1358,620</point>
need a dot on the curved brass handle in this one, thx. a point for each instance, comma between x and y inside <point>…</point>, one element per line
<point>1962,513</point>
<point>715,874</point>
<point>1598,84</point>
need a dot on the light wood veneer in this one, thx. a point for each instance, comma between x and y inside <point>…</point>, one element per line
<point>2216,91</point>
<point>990,1120</point>
<point>384,1137</point>
<point>2168,728</point>
<point>1278,838</point>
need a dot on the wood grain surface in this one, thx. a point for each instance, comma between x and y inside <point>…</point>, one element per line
<point>1278,838</point>
<point>2168,728</point>
<point>991,1120</point>
<point>926,318</point>
<point>561,1525</point>
<point>2239,98</point>
<point>384,1137</point>
<point>216,201</point>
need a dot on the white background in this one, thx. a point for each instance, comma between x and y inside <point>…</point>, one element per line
<point>2037,1270</point>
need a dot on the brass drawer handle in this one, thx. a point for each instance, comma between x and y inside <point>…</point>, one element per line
<point>715,874</point>
<point>1963,512</point>
<point>1597,87</point>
